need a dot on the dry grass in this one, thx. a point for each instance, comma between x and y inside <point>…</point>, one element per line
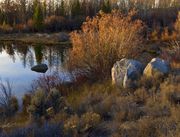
<point>177,25</point>
<point>172,53</point>
<point>171,90</point>
<point>104,110</point>
<point>148,111</point>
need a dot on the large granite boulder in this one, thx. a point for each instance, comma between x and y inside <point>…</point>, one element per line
<point>126,71</point>
<point>41,68</point>
<point>157,68</point>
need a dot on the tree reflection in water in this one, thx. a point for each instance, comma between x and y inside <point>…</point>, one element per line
<point>53,56</point>
<point>38,53</point>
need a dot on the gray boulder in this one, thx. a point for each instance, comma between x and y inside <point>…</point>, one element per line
<point>157,68</point>
<point>63,37</point>
<point>126,71</point>
<point>41,68</point>
<point>175,97</point>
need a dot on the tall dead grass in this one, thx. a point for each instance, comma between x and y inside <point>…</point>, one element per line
<point>103,40</point>
<point>177,25</point>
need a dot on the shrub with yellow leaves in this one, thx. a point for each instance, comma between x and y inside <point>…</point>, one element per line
<point>103,40</point>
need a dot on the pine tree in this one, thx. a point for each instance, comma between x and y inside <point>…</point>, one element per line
<point>22,4</point>
<point>62,8</point>
<point>44,8</point>
<point>76,8</point>
<point>106,6</point>
<point>38,16</point>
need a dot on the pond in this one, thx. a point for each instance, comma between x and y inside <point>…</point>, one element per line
<point>16,62</point>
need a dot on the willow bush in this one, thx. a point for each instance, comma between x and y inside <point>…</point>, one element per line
<point>103,40</point>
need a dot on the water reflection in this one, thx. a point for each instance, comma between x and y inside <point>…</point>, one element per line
<point>38,53</point>
<point>32,55</point>
<point>16,62</point>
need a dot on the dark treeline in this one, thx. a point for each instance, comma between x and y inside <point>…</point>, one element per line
<point>57,15</point>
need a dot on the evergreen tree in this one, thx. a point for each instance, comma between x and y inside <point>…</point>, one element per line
<point>38,16</point>
<point>62,8</point>
<point>106,6</point>
<point>76,8</point>
<point>22,11</point>
<point>44,8</point>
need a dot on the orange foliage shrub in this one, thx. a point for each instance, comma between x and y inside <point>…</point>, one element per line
<point>103,40</point>
<point>30,24</point>
<point>154,35</point>
<point>20,27</point>
<point>5,28</point>
<point>167,36</point>
<point>172,54</point>
<point>175,34</point>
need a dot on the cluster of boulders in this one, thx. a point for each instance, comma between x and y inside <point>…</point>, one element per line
<point>126,71</point>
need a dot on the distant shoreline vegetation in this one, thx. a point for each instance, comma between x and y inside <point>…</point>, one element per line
<point>53,16</point>
<point>50,39</point>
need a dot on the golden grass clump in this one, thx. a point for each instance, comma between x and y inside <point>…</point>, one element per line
<point>177,24</point>
<point>172,54</point>
<point>103,40</point>
<point>170,90</point>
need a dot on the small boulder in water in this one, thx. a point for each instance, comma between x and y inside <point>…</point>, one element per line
<point>41,68</point>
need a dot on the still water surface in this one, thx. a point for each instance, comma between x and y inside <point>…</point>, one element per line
<point>16,62</point>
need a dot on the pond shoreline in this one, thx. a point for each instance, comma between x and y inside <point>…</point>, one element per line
<point>48,39</point>
<point>17,61</point>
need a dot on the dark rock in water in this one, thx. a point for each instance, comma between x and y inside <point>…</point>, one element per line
<point>41,68</point>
